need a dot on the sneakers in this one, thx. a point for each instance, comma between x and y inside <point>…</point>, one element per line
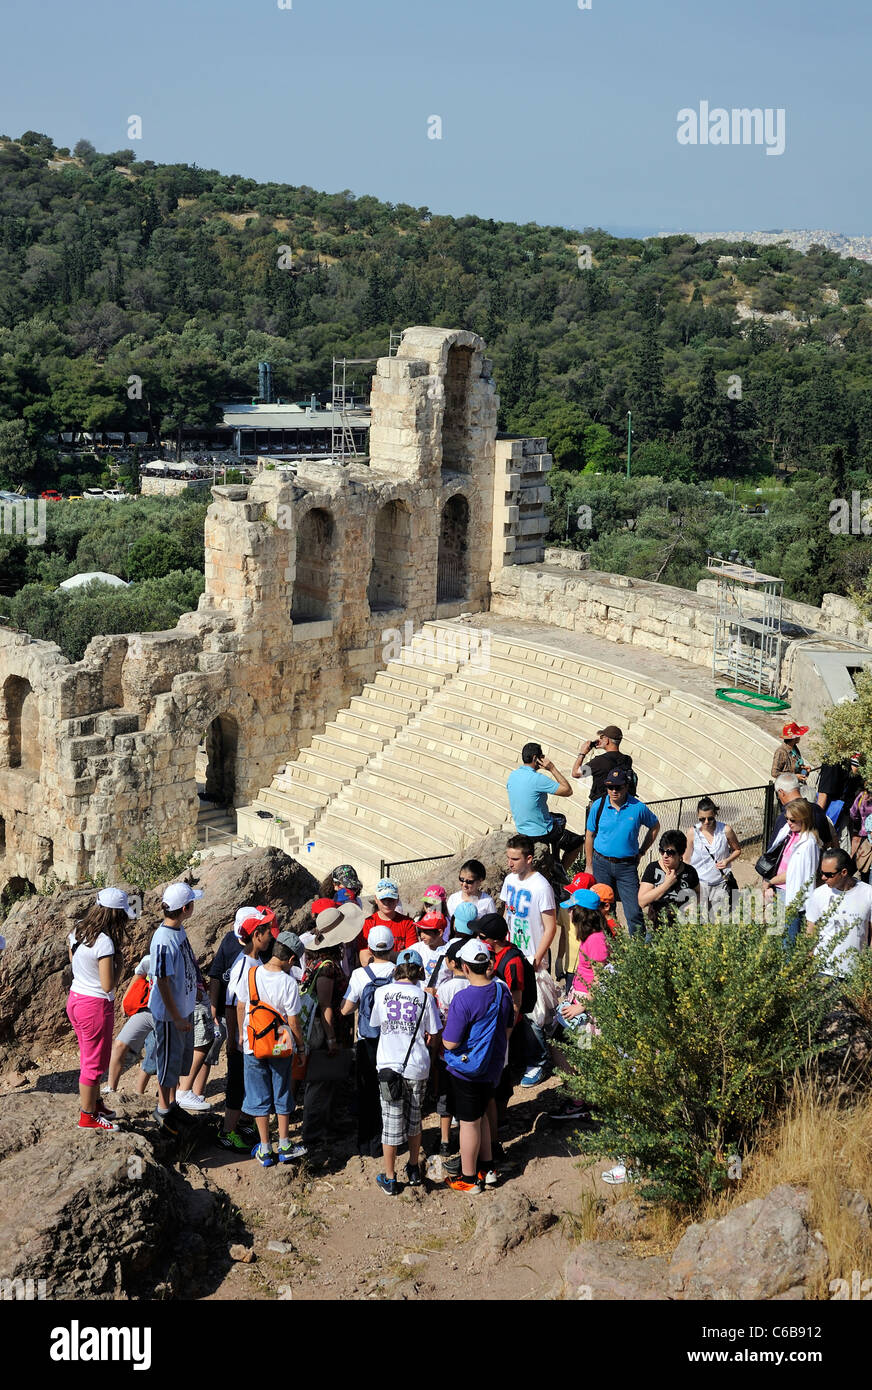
<point>570,1110</point>
<point>230,1139</point>
<point>103,1109</point>
<point>288,1151</point>
<point>460,1184</point>
<point>413,1175</point>
<point>488,1177</point>
<point>97,1121</point>
<point>451,1164</point>
<point>389,1186</point>
<point>189,1100</point>
<point>615,1176</point>
<point>534,1076</point>
<point>263,1155</point>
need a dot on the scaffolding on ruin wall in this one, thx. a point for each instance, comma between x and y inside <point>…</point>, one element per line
<point>747,638</point>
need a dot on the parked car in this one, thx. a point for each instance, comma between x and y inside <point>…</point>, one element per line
<point>116,494</point>
<point>94,492</point>
<point>74,497</point>
<point>51,495</point>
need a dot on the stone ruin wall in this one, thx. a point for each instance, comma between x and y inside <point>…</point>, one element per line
<point>96,754</point>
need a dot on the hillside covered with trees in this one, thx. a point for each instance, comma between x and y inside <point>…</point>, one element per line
<point>112,268</point>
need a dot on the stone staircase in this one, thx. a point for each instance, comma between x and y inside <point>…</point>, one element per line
<point>416,766</point>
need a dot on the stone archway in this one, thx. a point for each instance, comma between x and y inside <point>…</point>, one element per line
<point>21,715</point>
<point>216,760</point>
<point>391,568</point>
<point>452,576</point>
<point>311,602</point>
<point>457,455</point>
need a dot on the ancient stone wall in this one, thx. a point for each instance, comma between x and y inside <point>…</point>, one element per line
<point>307,570</point>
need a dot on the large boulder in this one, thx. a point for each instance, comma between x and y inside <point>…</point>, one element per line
<point>605,1270</point>
<point>85,1215</point>
<point>34,970</point>
<point>505,1223</point>
<point>762,1249</point>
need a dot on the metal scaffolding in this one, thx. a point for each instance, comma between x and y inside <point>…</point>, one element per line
<point>342,443</point>
<point>748,640</point>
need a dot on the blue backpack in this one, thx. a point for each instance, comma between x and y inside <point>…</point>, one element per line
<point>472,1060</point>
<point>365,1028</point>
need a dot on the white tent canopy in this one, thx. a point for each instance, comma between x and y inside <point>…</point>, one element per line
<point>78,581</point>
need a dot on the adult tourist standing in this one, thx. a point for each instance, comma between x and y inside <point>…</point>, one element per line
<point>796,876</point>
<point>612,848</point>
<point>860,824</point>
<point>788,757</point>
<point>528,905</point>
<point>608,756</point>
<point>788,790</point>
<point>327,1033</point>
<point>669,885</point>
<point>712,847</point>
<point>94,947</point>
<point>842,902</point>
<point>529,788</point>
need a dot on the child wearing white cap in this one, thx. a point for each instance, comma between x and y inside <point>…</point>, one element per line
<point>173,996</point>
<point>97,964</point>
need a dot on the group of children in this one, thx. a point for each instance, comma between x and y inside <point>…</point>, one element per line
<point>437,1001</point>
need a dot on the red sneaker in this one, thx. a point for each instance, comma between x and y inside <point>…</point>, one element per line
<point>97,1121</point>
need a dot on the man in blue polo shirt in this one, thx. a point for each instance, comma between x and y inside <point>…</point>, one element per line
<point>612,847</point>
<point>529,788</point>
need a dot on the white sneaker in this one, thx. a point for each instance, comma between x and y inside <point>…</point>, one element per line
<point>615,1175</point>
<point>107,1090</point>
<point>189,1100</point>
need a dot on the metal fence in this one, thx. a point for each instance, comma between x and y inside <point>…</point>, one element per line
<point>749,810</point>
<point>402,871</point>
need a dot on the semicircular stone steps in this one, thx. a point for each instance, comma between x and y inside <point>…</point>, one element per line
<point>416,765</point>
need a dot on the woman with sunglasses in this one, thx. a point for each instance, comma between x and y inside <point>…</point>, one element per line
<point>471,878</point>
<point>798,866</point>
<point>711,848</point>
<point>668,885</point>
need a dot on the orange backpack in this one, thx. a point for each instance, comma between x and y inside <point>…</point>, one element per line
<point>136,995</point>
<point>265,1024</point>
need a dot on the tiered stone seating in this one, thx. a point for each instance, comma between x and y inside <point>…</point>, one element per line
<point>416,766</point>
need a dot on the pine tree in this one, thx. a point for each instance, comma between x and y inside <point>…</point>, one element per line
<point>646,385</point>
<point>704,425</point>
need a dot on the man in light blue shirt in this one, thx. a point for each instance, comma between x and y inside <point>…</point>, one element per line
<point>612,849</point>
<point>529,788</point>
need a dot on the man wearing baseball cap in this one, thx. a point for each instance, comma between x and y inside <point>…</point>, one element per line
<point>173,995</point>
<point>788,757</point>
<point>405,931</point>
<point>608,756</point>
<point>612,848</point>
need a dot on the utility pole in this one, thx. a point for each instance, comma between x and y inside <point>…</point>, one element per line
<point>629,439</point>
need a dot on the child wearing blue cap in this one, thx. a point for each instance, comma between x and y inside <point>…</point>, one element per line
<point>408,1023</point>
<point>571,1017</point>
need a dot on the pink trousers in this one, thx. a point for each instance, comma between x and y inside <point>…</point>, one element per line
<point>93,1020</point>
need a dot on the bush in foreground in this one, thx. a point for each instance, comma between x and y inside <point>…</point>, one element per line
<point>702,1030</point>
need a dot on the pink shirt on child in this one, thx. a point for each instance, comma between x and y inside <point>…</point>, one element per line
<point>591,952</point>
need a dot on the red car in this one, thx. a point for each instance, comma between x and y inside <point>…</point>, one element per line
<point>51,495</point>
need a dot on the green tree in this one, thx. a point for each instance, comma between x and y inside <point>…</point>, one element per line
<point>703,426</point>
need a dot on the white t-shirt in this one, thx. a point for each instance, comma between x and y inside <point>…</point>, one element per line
<point>429,957</point>
<point>853,910</point>
<point>446,991</point>
<point>526,899</point>
<point>484,904</point>
<point>395,1012</point>
<point>86,971</point>
<point>233,977</point>
<point>275,987</point>
<point>382,969</point>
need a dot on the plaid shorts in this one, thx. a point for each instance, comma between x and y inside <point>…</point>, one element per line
<point>402,1117</point>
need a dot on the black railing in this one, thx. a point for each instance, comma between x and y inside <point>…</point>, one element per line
<point>402,870</point>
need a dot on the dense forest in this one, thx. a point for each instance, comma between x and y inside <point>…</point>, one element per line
<point>185,278</point>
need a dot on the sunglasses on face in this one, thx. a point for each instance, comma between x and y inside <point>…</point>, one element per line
<point>470,882</point>
<point>669,853</point>
<point>830,873</point>
<point>707,820</point>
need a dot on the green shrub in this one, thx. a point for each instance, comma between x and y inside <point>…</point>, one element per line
<point>701,1030</point>
<point>858,988</point>
<point>146,865</point>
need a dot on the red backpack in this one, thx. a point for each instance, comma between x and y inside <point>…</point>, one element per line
<point>136,995</point>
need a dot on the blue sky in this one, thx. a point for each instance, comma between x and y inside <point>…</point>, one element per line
<point>550,113</point>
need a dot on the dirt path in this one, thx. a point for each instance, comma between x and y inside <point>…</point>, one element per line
<point>344,1239</point>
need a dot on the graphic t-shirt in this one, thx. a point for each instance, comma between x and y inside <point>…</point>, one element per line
<point>86,971</point>
<point>172,959</point>
<point>529,791</point>
<point>679,895</point>
<point>484,904</point>
<point>274,987</point>
<point>395,1011</point>
<point>853,910</point>
<point>465,1009</point>
<point>526,899</point>
<point>429,956</point>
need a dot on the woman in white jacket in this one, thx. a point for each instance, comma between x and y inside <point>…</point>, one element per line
<point>798,866</point>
